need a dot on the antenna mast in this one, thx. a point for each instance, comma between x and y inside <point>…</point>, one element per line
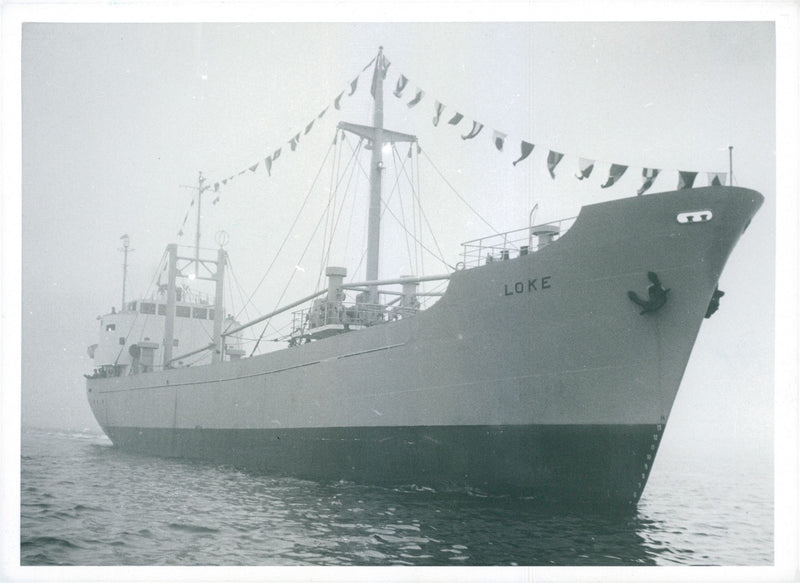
<point>200,188</point>
<point>126,242</point>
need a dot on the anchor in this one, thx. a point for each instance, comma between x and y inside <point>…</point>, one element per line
<point>657,295</point>
<point>713,305</point>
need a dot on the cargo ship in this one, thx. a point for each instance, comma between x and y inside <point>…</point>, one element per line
<point>546,368</point>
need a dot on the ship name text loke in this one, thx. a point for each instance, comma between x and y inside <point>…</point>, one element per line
<point>532,285</point>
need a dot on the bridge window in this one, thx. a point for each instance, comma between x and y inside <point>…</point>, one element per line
<point>183,311</point>
<point>199,313</point>
<point>110,327</point>
<point>122,340</point>
<point>162,309</point>
<point>147,308</point>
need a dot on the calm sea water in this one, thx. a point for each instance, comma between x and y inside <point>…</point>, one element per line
<point>83,502</point>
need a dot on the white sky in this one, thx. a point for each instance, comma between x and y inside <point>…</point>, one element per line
<point>115,117</point>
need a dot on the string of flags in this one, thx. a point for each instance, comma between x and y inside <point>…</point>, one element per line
<point>294,141</point>
<point>686,179</point>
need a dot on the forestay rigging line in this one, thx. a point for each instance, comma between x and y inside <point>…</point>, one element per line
<point>420,243</point>
<point>477,214</point>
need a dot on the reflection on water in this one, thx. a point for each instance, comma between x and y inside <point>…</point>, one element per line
<point>86,503</point>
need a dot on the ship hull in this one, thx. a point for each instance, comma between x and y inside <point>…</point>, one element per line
<point>539,374</point>
<point>554,463</point>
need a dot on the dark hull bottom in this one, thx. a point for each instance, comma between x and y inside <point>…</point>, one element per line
<point>605,465</point>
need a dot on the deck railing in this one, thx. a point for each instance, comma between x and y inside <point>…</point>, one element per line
<point>503,246</point>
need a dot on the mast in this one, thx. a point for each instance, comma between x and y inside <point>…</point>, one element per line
<point>200,189</point>
<point>126,242</point>
<point>218,353</point>
<point>213,270</point>
<point>375,176</point>
<point>377,136</point>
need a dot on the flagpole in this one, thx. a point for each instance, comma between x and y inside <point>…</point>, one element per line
<point>730,165</point>
<point>200,189</point>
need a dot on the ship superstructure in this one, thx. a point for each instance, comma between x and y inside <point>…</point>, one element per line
<point>139,338</point>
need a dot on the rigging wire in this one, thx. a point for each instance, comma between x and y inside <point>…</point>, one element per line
<point>441,255</point>
<point>230,281</point>
<point>288,283</point>
<point>347,190</point>
<point>239,288</point>
<point>327,250</point>
<point>385,208</point>
<point>289,232</point>
<point>420,243</point>
<point>331,194</point>
<point>291,277</point>
<point>330,223</point>
<point>365,174</point>
<point>477,214</point>
<point>418,199</point>
<point>352,186</point>
<point>331,200</point>
<point>417,231</point>
<point>302,255</point>
<point>279,334</point>
<point>397,164</point>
